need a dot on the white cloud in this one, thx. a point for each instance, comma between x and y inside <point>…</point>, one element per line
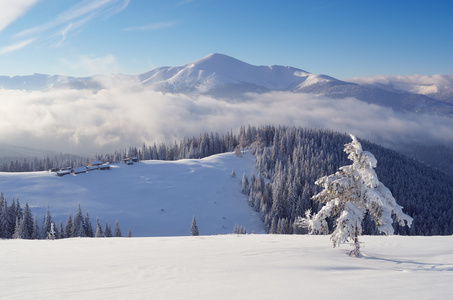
<point>124,114</point>
<point>441,85</point>
<point>15,47</point>
<point>11,10</point>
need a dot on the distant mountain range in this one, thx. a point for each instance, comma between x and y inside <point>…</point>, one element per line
<point>223,76</point>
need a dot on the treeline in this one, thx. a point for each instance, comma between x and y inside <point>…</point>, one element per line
<point>196,147</point>
<point>31,164</point>
<point>18,223</point>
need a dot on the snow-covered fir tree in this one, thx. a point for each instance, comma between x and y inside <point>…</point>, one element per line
<point>194,227</point>
<point>107,230</point>
<point>52,233</point>
<point>99,232</point>
<point>47,220</point>
<point>117,230</point>
<point>239,229</point>
<point>68,227</point>
<point>18,229</point>
<point>61,234</point>
<point>88,227</point>
<point>35,234</point>
<point>78,227</point>
<point>27,223</point>
<point>349,194</point>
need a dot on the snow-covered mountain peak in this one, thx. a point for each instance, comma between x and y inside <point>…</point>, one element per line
<point>217,73</point>
<point>216,61</point>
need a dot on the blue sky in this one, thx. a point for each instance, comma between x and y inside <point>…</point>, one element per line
<point>339,38</point>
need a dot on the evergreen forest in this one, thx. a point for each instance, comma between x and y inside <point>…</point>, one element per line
<point>288,162</point>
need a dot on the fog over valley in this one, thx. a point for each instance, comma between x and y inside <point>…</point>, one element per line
<point>125,113</point>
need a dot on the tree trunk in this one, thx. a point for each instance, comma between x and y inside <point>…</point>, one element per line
<point>356,251</point>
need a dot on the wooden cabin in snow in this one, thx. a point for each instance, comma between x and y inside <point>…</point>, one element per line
<point>130,160</point>
<point>96,163</point>
<point>127,161</point>
<point>63,172</point>
<point>105,166</point>
<point>79,170</point>
<point>92,168</point>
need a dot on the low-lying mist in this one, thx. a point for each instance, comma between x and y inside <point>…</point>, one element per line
<point>126,114</point>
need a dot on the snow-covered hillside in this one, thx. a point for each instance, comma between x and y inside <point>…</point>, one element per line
<point>152,198</point>
<point>227,267</point>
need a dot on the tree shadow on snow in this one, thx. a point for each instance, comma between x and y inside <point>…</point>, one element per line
<point>412,265</point>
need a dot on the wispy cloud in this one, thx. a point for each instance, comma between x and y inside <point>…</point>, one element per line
<point>15,47</point>
<point>11,10</point>
<point>75,17</point>
<point>153,26</point>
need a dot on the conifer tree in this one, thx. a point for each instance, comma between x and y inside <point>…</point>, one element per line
<point>45,229</point>
<point>18,229</point>
<point>35,234</point>
<point>88,227</point>
<point>349,194</point>
<point>52,233</point>
<point>107,230</point>
<point>61,234</point>
<point>27,220</point>
<point>245,188</point>
<point>68,227</point>
<point>194,227</point>
<point>117,230</point>
<point>5,218</point>
<point>78,229</point>
<point>99,232</point>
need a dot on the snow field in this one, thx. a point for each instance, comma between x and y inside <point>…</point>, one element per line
<point>227,267</point>
<point>152,198</point>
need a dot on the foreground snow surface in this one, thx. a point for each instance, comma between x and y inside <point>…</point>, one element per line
<point>152,198</point>
<point>227,267</point>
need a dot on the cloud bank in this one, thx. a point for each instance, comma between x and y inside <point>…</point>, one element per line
<point>439,86</point>
<point>125,114</point>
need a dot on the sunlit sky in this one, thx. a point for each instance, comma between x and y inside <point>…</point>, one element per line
<point>340,38</point>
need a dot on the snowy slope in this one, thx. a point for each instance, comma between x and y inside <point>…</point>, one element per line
<point>227,267</point>
<point>217,72</point>
<point>152,198</point>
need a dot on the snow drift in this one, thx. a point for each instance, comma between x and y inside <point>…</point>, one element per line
<point>227,267</point>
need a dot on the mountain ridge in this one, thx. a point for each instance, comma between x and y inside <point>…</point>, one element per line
<point>219,75</point>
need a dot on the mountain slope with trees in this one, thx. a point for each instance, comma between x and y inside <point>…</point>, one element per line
<point>288,161</point>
